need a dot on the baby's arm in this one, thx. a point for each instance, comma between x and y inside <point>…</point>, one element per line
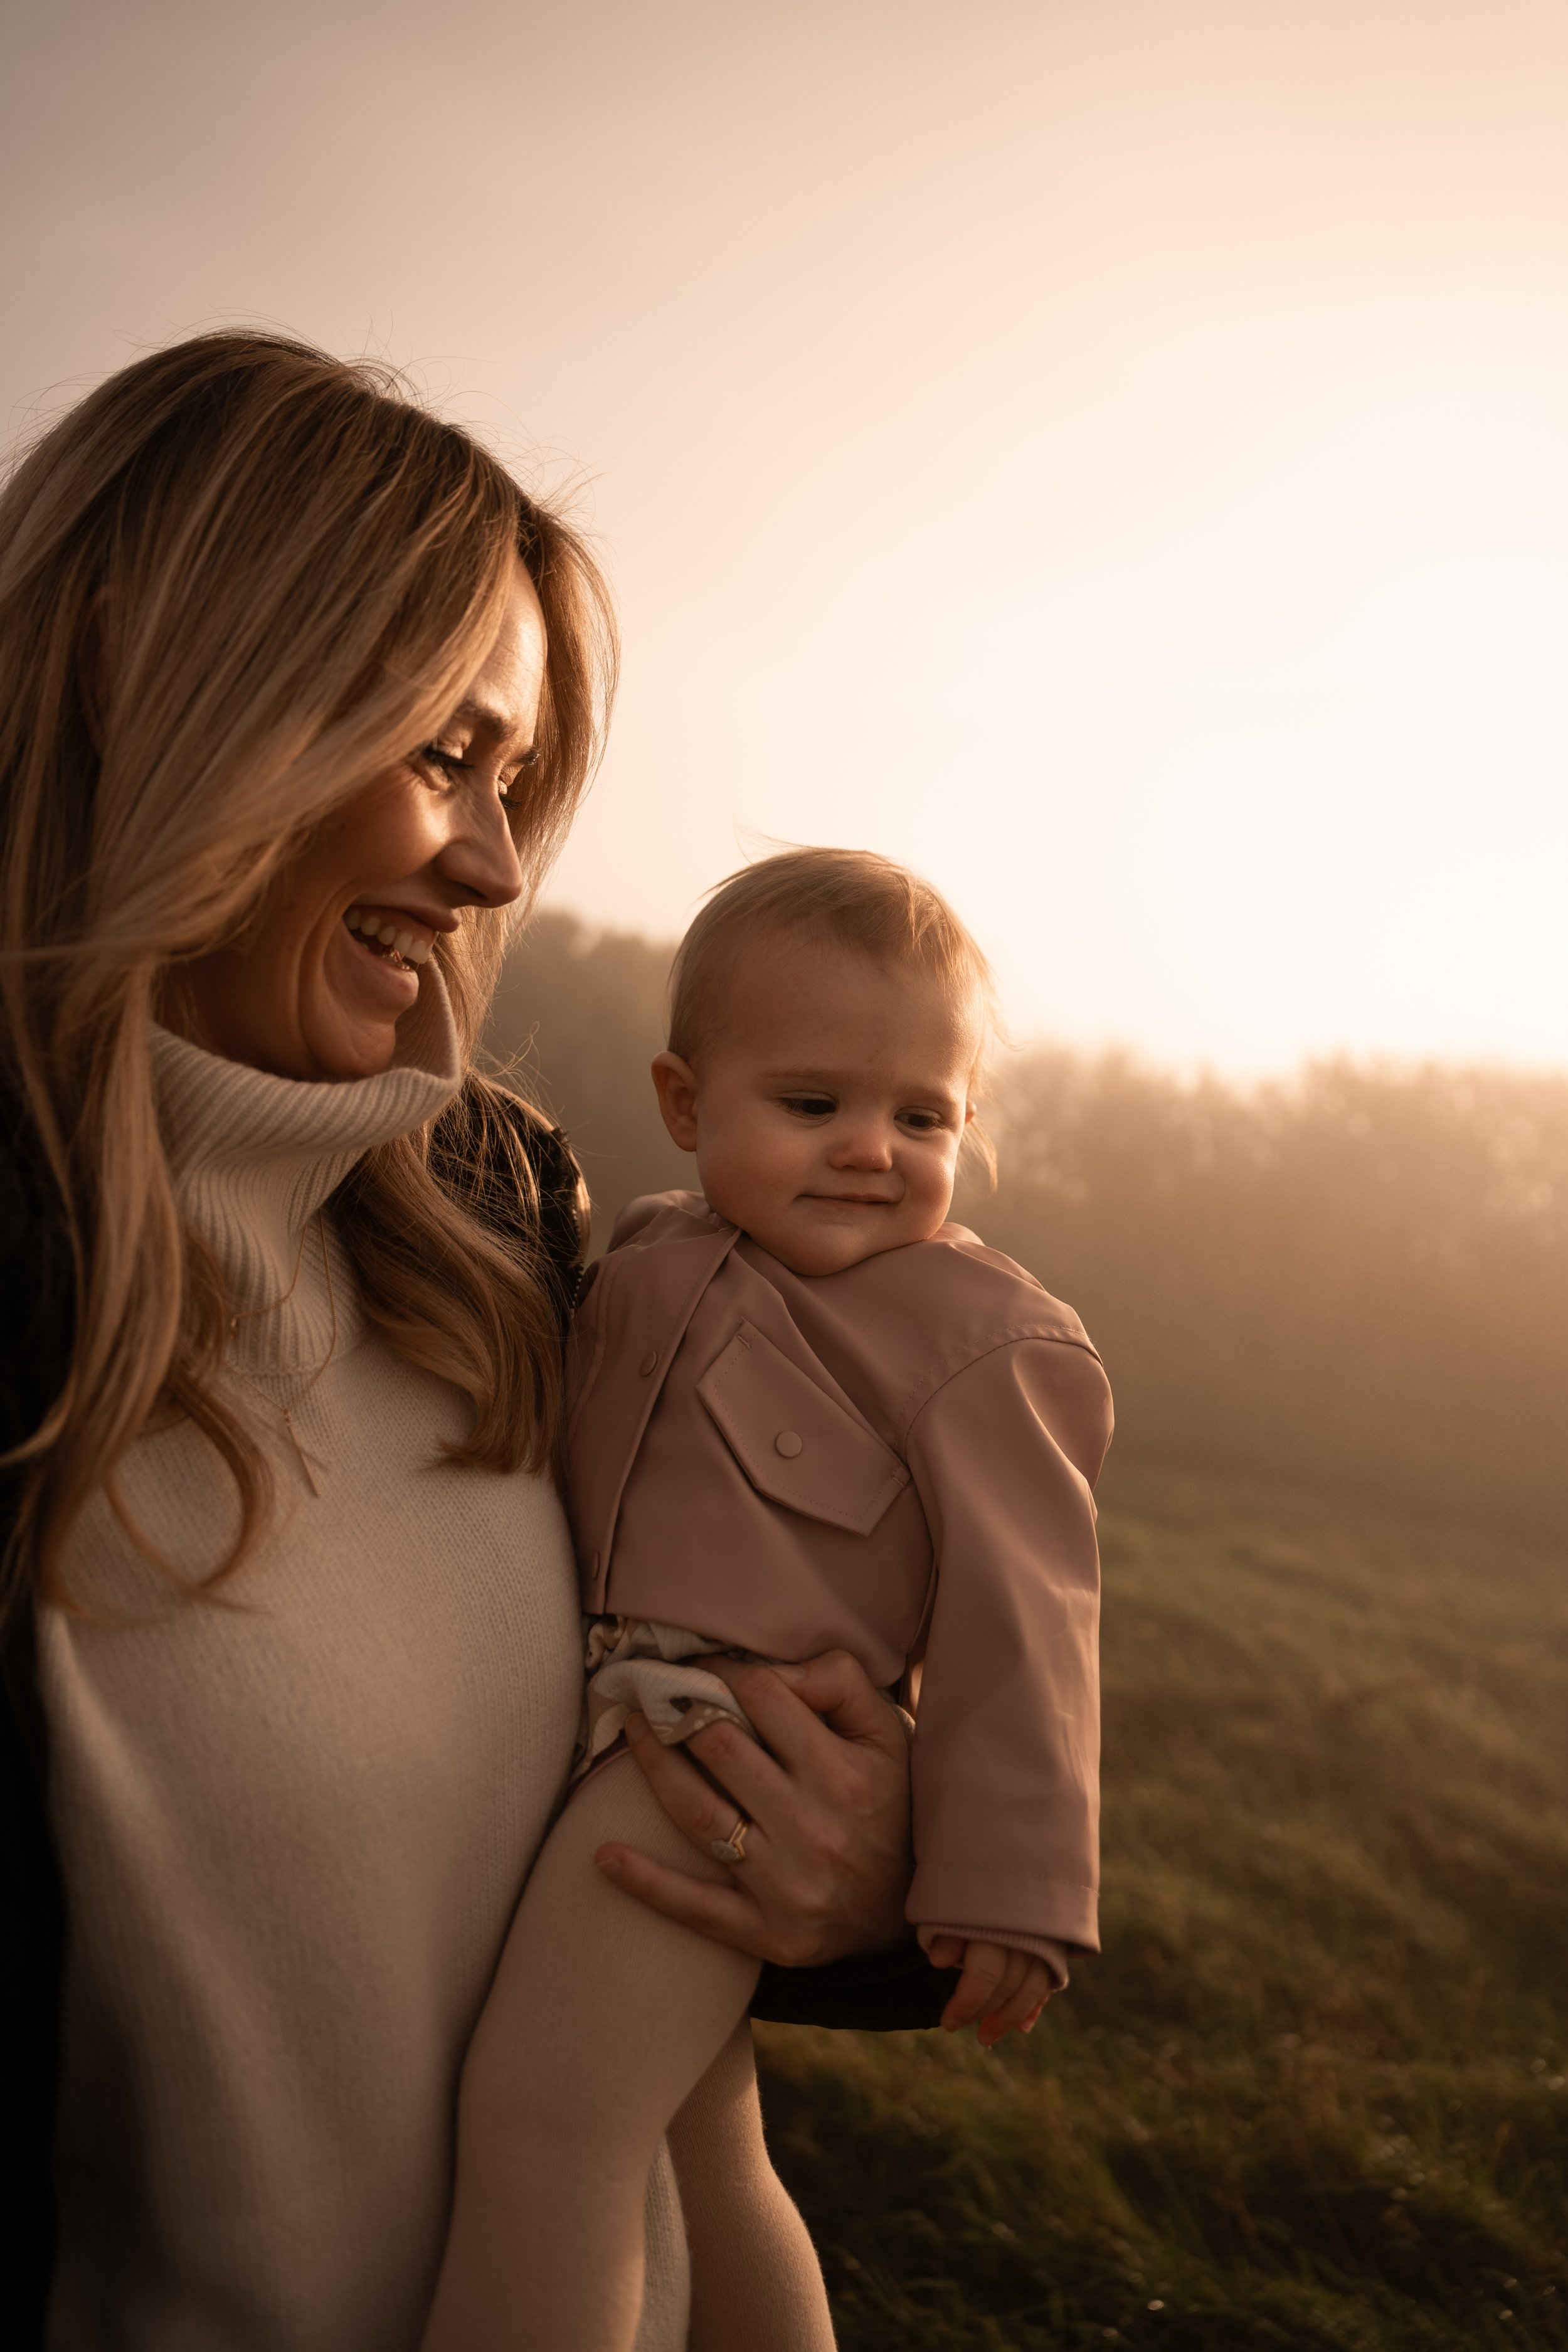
<point>1005,1766</point>
<point>1004,1989</point>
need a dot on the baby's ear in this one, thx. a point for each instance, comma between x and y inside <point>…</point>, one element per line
<point>675,1083</point>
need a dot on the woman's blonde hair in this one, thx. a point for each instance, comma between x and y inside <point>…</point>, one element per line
<point>238,581</point>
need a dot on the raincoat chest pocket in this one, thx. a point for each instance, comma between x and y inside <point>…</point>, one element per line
<point>795,1442</point>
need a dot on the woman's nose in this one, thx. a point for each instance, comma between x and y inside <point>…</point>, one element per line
<point>480,856</point>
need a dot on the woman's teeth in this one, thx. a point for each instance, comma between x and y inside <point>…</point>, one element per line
<point>388,937</point>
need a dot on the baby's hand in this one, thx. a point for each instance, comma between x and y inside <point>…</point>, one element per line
<point>1004,1989</point>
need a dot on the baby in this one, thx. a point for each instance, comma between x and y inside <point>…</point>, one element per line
<point>805,1413</point>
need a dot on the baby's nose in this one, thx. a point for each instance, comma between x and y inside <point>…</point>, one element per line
<point>863,1147</point>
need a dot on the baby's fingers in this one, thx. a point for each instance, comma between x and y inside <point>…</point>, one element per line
<point>1016,2007</point>
<point>984,1967</point>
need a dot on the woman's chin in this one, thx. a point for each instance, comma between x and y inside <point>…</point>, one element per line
<point>351,1029</point>
<point>356,1042</point>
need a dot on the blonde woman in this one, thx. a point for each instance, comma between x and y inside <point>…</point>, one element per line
<point>298,692</point>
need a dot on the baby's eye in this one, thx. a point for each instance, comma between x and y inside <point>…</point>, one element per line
<point>810,1106</point>
<point>922,1123</point>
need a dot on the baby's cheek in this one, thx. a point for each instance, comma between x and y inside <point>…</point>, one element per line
<point>927,1201</point>
<point>745,1185</point>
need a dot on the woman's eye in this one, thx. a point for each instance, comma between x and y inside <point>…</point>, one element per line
<point>511,798</point>
<point>450,764</point>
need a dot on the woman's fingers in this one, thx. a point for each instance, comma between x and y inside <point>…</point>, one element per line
<point>749,1781</point>
<point>836,1805</point>
<point>816,1715</point>
<point>827,1869</point>
<point>837,1691</point>
<point>721,1913</point>
<point>758,1912</point>
<point>793,1895</point>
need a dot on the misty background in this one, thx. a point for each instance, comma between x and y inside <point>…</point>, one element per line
<point>1354,1280</point>
<point>1108,454</point>
<point>1111,455</point>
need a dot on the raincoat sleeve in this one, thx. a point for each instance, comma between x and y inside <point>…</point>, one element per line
<point>1007,1753</point>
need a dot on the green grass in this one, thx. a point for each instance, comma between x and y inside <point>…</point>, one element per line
<point>1313,2094</point>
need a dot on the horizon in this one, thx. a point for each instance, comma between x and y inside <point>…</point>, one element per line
<point>1110,457</point>
<point>1376,1063</point>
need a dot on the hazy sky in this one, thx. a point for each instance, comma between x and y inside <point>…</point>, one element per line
<point>1113,454</point>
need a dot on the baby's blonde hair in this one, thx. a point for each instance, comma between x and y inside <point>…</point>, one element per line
<point>838,898</point>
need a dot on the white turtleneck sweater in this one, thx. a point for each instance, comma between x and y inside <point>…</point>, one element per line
<point>294,1819</point>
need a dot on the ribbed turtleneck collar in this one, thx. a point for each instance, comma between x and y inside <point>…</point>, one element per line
<point>254,1157</point>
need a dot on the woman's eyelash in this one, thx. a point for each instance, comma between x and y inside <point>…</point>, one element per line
<point>453,763</point>
<point>529,759</point>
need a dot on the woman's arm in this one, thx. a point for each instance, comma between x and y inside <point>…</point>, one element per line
<point>829,1863</point>
<point>828,1859</point>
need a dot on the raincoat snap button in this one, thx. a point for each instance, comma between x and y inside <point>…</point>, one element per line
<point>648,1363</point>
<point>787,1443</point>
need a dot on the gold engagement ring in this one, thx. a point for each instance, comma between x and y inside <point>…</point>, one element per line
<point>733,1847</point>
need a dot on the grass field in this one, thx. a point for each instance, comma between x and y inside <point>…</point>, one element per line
<point>1314,2092</point>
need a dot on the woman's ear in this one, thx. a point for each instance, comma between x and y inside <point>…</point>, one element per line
<point>674,1082</point>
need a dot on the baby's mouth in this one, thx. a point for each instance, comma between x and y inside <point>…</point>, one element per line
<point>394,938</point>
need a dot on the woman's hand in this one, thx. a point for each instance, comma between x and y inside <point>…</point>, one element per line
<point>827,1857</point>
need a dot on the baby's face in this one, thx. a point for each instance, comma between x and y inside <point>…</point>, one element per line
<point>827,1107</point>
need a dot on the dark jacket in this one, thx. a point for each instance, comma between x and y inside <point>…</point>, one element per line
<point>36,1300</point>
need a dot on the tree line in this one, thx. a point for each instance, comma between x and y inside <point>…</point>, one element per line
<point>1354,1278</point>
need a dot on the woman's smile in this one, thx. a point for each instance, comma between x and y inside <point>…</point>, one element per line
<point>318,986</point>
<point>391,936</point>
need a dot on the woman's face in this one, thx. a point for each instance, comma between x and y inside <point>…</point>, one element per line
<point>317,985</point>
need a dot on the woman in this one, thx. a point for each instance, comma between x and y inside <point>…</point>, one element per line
<point>301,693</point>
